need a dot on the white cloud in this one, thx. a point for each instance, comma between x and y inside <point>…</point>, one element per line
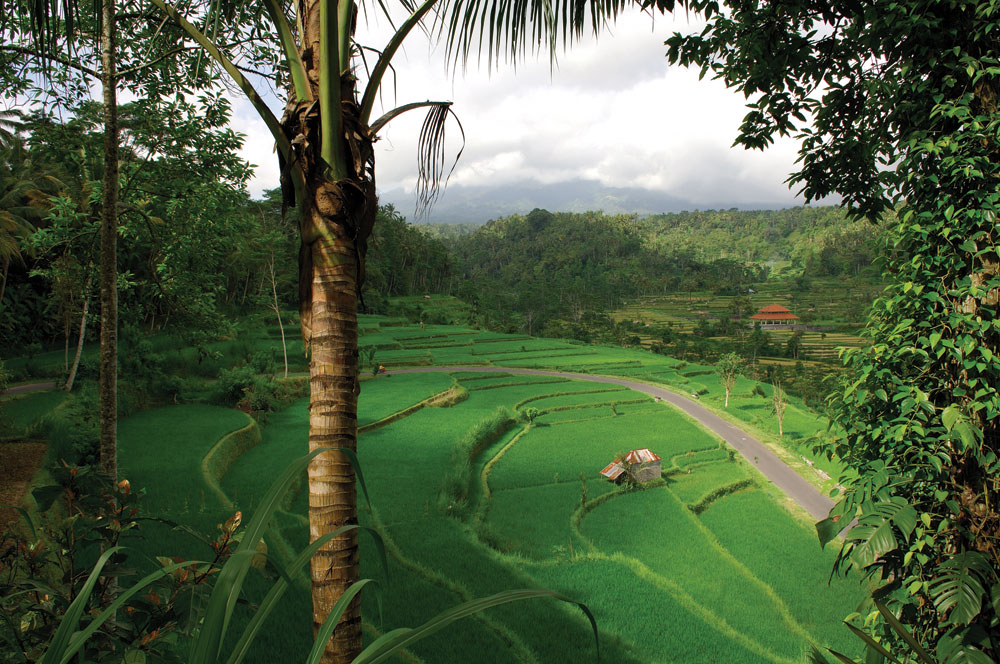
<point>612,111</point>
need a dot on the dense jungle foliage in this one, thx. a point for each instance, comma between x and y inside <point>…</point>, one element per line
<point>545,273</point>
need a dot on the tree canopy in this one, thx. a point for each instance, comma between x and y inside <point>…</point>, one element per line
<point>896,107</point>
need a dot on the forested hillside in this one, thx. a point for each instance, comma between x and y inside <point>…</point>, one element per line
<point>556,273</point>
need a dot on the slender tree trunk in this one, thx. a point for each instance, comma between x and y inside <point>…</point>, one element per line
<point>333,423</point>
<point>66,327</point>
<point>246,287</point>
<point>338,219</point>
<point>277,312</point>
<point>108,387</point>
<point>79,342</point>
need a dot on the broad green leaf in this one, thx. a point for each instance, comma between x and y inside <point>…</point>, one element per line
<point>827,530</point>
<point>959,591</point>
<point>949,416</point>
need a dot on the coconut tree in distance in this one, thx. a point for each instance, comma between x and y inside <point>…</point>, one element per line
<point>324,142</point>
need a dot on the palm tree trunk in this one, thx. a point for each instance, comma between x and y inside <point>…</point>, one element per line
<point>108,384</point>
<point>333,423</point>
<point>338,218</point>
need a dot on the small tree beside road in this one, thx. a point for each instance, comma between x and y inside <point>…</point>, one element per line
<point>778,405</point>
<point>729,367</point>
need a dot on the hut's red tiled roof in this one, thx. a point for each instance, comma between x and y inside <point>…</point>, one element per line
<point>774,312</point>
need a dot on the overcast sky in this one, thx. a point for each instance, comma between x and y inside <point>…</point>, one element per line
<point>613,110</point>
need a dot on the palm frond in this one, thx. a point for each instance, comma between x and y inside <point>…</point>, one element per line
<point>10,124</point>
<point>431,155</point>
<point>47,22</point>
<point>507,29</point>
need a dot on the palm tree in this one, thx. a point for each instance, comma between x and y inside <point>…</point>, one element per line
<point>24,195</point>
<point>324,142</point>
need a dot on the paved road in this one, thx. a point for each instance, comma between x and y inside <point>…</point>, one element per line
<point>28,387</point>
<point>783,477</point>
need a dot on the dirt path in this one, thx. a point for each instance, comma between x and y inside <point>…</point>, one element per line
<point>754,451</point>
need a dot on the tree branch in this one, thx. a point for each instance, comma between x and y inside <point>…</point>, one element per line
<point>54,58</point>
<point>131,70</point>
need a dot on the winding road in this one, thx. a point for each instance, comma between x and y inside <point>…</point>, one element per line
<point>754,451</point>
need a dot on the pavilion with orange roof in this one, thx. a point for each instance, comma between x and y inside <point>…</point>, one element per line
<point>774,315</point>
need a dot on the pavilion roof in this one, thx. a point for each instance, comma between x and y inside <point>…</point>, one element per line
<point>774,312</point>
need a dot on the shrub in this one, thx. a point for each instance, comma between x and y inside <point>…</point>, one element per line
<point>48,577</point>
<point>233,384</point>
<point>263,362</point>
<point>73,430</point>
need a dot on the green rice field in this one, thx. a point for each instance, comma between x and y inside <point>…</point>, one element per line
<point>832,310</point>
<point>702,565</point>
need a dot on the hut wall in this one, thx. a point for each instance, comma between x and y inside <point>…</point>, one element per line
<point>645,472</point>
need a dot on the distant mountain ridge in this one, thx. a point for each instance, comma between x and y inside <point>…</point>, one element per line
<point>479,204</point>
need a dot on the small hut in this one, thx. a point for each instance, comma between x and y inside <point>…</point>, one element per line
<point>638,465</point>
<point>774,315</point>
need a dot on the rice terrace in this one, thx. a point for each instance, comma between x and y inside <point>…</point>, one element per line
<point>596,372</point>
<point>483,480</point>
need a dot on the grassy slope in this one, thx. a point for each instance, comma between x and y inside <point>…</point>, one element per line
<point>18,414</point>
<point>524,534</point>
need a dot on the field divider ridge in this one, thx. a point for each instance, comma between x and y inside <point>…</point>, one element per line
<point>221,456</point>
<point>677,591</point>
<point>453,395</point>
<point>484,475</point>
<point>217,461</point>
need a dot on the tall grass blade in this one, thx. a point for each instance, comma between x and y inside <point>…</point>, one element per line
<point>68,625</point>
<point>872,643</point>
<point>279,587</point>
<point>25,516</point>
<point>904,633</point>
<point>816,657</point>
<point>205,648</point>
<point>390,643</point>
<point>330,624</point>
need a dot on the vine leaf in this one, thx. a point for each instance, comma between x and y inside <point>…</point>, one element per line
<point>960,590</point>
<point>875,535</point>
